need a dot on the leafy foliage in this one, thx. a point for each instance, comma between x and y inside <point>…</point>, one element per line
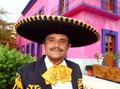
<point>10,60</point>
<point>7,38</point>
<point>7,35</point>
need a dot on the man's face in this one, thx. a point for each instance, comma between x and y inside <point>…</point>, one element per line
<point>56,46</point>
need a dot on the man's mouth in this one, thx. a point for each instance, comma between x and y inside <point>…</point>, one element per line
<point>57,49</point>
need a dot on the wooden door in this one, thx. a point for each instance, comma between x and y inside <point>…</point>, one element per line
<point>110,49</point>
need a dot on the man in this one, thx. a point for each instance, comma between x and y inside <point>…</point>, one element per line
<point>57,34</point>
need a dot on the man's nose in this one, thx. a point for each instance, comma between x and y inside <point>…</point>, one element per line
<point>56,43</point>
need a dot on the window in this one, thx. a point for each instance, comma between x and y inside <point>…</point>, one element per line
<point>23,49</point>
<point>63,6</point>
<point>109,5</point>
<point>39,50</point>
<point>109,44</point>
<point>27,48</point>
<point>41,11</point>
<point>33,49</point>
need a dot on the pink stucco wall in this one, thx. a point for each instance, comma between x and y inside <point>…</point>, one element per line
<point>96,20</point>
<point>98,24</point>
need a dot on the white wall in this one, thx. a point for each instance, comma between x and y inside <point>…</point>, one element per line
<point>83,62</point>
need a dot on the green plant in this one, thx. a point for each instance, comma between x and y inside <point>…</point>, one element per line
<point>99,57</point>
<point>111,54</point>
<point>115,56</point>
<point>89,67</point>
<point>10,60</point>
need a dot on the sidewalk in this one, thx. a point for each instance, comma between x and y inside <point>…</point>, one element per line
<point>91,82</point>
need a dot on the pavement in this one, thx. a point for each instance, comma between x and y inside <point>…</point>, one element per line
<point>91,82</point>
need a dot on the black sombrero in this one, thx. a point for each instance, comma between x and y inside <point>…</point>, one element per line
<point>36,28</point>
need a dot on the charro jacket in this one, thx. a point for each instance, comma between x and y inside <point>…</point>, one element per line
<point>29,76</point>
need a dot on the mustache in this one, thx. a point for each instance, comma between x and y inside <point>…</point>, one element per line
<point>56,48</point>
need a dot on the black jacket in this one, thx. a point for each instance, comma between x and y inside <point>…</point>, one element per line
<point>31,78</point>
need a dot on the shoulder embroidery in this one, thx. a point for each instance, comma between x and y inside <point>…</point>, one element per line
<point>30,86</point>
<point>18,83</point>
<point>80,84</point>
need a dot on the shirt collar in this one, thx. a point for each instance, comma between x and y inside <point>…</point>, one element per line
<point>49,63</point>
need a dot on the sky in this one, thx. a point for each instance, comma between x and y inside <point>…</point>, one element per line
<point>14,8</point>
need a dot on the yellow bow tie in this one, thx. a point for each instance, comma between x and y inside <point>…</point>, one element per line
<point>57,72</point>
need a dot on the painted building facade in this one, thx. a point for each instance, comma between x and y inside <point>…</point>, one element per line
<point>103,15</point>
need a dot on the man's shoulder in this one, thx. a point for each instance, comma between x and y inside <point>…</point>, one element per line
<point>31,65</point>
<point>69,62</point>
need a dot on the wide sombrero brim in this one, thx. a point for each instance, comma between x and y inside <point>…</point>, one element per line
<point>36,28</point>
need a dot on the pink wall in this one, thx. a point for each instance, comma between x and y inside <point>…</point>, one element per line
<point>99,24</point>
<point>96,20</point>
<point>96,3</point>
<point>21,42</point>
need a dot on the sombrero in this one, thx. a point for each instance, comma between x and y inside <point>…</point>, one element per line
<point>36,28</point>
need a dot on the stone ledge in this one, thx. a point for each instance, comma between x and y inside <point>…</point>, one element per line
<point>107,72</point>
<point>91,82</point>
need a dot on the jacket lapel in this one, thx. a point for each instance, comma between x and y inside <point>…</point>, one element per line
<point>76,74</point>
<point>44,68</point>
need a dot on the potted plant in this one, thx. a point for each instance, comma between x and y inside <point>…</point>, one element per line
<point>100,58</point>
<point>113,56</point>
<point>89,69</point>
<point>116,57</point>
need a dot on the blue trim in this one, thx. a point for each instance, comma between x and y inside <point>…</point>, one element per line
<point>103,4</point>
<point>82,6</point>
<point>28,6</point>
<point>116,6</point>
<point>66,8</point>
<point>115,34</point>
<point>59,7</point>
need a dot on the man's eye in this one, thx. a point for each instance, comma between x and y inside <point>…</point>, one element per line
<point>50,40</point>
<point>63,41</point>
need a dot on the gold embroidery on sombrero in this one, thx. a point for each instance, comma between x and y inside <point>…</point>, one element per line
<point>80,84</point>
<point>63,19</point>
<point>33,18</point>
<point>22,21</point>
<point>30,86</point>
<point>50,18</point>
<point>18,83</point>
<point>57,72</point>
<point>59,19</point>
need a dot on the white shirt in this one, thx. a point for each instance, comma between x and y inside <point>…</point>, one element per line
<point>59,85</point>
